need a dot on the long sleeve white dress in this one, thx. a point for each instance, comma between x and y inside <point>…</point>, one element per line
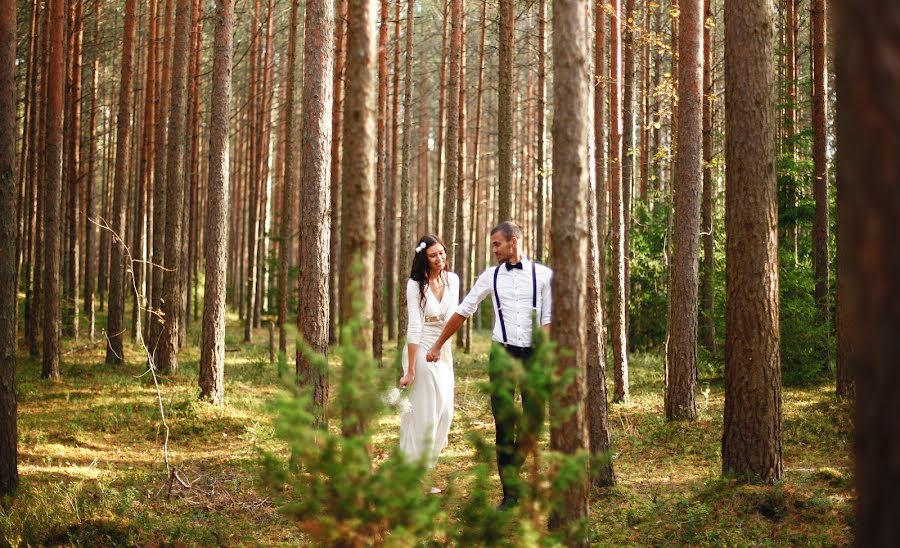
<point>425,424</point>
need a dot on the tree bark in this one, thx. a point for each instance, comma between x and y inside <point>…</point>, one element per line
<point>868,131</point>
<point>90,228</point>
<point>382,269</point>
<point>358,184</point>
<point>172,306</point>
<point>72,155</point>
<point>505,110</point>
<point>312,318</point>
<point>619,338</point>
<point>340,56</point>
<point>751,441</point>
<point>569,235</point>
<point>681,350</point>
<point>9,472</point>
<point>820,175</point>
<point>707,326</point>
<point>212,349</point>
<point>287,197</point>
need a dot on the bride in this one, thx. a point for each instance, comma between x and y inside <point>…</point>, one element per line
<point>432,294</point>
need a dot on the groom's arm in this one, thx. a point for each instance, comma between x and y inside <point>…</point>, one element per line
<point>452,325</point>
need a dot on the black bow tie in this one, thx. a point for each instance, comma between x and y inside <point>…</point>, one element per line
<point>510,266</point>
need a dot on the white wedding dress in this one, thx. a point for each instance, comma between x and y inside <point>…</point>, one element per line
<point>425,423</point>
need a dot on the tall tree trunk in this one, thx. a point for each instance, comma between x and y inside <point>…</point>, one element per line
<point>212,348</point>
<point>265,131</point>
<point>9,472</point>
<point>707,326</point>
<point>681,350</point>
<point>619,338</point>
<point>253,189</point>
<point>868,132</point>
<point>312,318</point>
<point>452,144</point>
<point>461,250</point>
<point>382,269</point>
<point>393,181</point>
<point>569,234</point>
<point>540,146</point>
<point>72,155</point>
<point>90,228</point>
<point>151,99</point>
<point>31,276</point>
<point>358,184</point>
<point>439,148</point>
<point>172,307</point>
<point>751,441</point>
<point>600,156</point>
<point>505,109</point>
<point>287,197</point>
<point>159,176</point>
<point>340,56</point>
<point>820,175</point>
<point>56,80</point>
<point>595,313</point>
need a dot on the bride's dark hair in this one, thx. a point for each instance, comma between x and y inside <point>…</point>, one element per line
<point>419,270</point>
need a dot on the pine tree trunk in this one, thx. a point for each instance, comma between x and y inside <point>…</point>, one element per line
<point>90,228</point>
<point>358,183</point>
<point>172,306</point>
<point>164,72</point>
<point>72,156</point>
<point>439,148</point>
<point>461,251</point>
<point>707,326</point>
<point>394,273</point>
<point>619,339</point>
<point>32,294</point>
<point>600,156</point>
<point>751,441</point>
<point>340,56</point>
<point>569,234</point>
<point>452,143</point>
<point>681,350</point>
<point>820,176</point>
<point>212,348</point>
<point>505,109</point>
<point>287,197</point>
<point>9,473</point>
<point>868,132</point>
<point>56,80</point>
<point>315,131</point>
<point>382,270</point>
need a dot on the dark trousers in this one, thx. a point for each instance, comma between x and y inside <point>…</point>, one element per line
<point>506,421</point>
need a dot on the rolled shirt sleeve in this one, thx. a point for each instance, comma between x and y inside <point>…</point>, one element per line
<point>546,300</point>
<point>482,288</point>
<point>416,321</point>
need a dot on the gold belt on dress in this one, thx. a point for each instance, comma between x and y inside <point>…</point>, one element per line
<point>434,318</point>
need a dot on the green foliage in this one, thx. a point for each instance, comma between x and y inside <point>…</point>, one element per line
<point>802,354</point>
<point>648,300</point>
<point>341,494</point>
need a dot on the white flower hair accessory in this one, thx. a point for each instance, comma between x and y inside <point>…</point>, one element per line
<point>420,247</point>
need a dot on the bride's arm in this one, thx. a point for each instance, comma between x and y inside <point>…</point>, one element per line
<point>413,330</point>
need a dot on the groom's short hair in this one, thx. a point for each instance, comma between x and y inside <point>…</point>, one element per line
<point>509,229</point>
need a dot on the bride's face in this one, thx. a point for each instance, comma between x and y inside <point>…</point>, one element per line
<point>437,258</point>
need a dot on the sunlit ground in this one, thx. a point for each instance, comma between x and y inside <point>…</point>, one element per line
<point>93,472</point>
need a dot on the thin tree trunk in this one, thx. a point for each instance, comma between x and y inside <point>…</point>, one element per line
<point>541,167</point>
<point>452,143</point>
<point>681,348</point>
<point>9,472</point>
<point>212,348</point>
<point>751,441</point>
<point>569,234</point>
<point>56,76</point>
<point>312,318</point>
<point>600,156</point>
<point>90,228</point>
<point>619,338</point>
<point>707,327</point>
<point>393,295</point>
<point>358,184</point>
<point>439,148</point>
<point>461,243</point>
<point>820,176</point>
<point>172,307</point>
<point>340,56</point>
<point>381,265</point>
<point>72,155</point>
<point>505,109</point>
<point>287,196</point>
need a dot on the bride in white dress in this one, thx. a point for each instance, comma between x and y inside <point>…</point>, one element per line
<point>432,295</point>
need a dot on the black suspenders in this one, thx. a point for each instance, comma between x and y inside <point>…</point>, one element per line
<point>497,296</point>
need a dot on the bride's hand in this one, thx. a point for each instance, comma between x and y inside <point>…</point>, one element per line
<point>407,380</point>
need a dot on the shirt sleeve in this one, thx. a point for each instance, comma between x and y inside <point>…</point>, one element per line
<point>482,288</point>
<point>414,311</point>
<point>546,299</point>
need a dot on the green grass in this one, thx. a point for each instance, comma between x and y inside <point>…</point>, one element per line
<point>92,470</point>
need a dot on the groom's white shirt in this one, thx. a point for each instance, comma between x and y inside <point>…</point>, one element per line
<point>515,290</point>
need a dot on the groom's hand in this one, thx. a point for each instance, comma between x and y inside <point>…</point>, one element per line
<point>434,353</point>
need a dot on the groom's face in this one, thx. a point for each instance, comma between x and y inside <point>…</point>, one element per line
<point>502,247</point>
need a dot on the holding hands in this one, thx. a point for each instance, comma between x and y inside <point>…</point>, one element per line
<point>434,354</point>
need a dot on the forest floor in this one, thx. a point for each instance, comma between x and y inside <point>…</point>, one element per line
<point>92,470</point>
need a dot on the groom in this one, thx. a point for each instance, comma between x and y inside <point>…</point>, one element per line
<point>518,287</point>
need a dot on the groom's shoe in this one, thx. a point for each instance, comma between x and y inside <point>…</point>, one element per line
<point>507,503</point>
